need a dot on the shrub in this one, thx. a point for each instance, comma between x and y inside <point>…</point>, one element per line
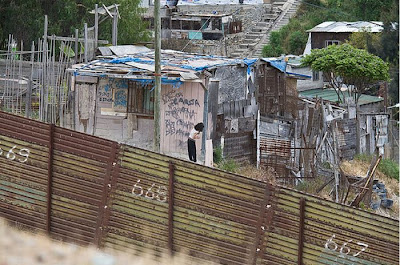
<point>271,51</point>
<point>297,42</point>
<point>387,166</point>
<point>229,165</point>
<point>217,155</point>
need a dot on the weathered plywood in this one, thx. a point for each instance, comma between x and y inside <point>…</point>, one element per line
<point>181,109</point>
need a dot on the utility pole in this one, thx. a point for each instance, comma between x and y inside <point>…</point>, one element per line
<point>157,74</point>
<point>96,26</point>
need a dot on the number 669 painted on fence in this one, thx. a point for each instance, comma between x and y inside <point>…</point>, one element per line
<point>11,155</point>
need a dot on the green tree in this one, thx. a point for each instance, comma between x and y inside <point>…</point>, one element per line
<point>25,19</point>
<point>297,42</point>
<point>344,64</point>
<point>271,51</point>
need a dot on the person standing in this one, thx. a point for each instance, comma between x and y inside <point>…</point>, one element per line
<point>193,135</point>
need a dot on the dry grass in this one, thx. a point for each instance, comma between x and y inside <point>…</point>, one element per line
<point>251,171</point>
<point>23,248</point>
<point>360,168</point>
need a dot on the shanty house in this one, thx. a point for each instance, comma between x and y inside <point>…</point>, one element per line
<point>114,95</point>
<point>332,32</point>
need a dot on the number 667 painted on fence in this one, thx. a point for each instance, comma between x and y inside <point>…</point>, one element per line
<point>344,249</point>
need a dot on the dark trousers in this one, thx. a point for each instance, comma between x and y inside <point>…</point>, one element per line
<point>192,150</point>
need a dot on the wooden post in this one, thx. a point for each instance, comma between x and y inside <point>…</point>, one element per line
<point>115,27</point>
<point>45,94</point>
<point>86,44</point>
<point>28,98</point>
<point>96,26</point>
<point>157,61</point>
<point>76,45</point>
<point>358,129</point>
<point>205,122</point>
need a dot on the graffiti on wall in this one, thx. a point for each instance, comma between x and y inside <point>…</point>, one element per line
<point>180,114</point>
<point>113,91</point>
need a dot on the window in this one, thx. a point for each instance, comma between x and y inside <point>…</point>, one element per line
<point>331,42</point>
<point>315,75</point>
<point>140,98</point>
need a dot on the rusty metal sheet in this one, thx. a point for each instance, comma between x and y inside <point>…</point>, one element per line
<point>88,190</point>
<point>138,215</point>
<point>333,233</point>
<point>276,153</point>
<point>79,177</point>
<point>23,180</point>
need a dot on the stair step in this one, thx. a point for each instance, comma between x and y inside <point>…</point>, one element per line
<point>250,40</point>
<point>247,45</point>
<point>258,29</point>
<point>262,24</point>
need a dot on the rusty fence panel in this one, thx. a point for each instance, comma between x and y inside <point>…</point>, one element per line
<point>89,190</point>
<point>327,233</point>
<point>81,173</point>
<point>23,171</point>
<point>212,214</point>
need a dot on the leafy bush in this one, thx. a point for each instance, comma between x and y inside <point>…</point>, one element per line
<point>297,42</point>
<point>387,166</point>
<point>229,165</point>
<point>270,51</point>
<point>217,155</point>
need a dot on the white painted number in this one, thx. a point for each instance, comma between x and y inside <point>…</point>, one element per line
<point>149,194</point>
<point>155,192</point>
<point>136,186</point>
<point>24,153</point>
<point>12,154</point>
<point>365,246</point>
<point>161,192</point>
<point>344,249</point>
<point>330,242</point>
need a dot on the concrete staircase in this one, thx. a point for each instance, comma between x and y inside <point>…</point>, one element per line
<point>273,20</point>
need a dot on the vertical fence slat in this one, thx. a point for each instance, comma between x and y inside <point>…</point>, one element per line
<point>49,176</point>
<point>105,194</point>
<point>171,207</point>
<point>256,248</point>
<point>301,230</point>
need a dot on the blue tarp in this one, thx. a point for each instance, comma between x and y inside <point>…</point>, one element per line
<point>248,62</point>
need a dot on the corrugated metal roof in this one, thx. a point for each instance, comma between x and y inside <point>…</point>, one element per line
<point>330,94</point>
<point>138,62</point>
<point>335,27</point>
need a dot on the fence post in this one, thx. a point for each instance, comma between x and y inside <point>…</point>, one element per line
<point>301,231</point>
<point>49,177</point>
<point>171,207</point>
<point>259,227</point>
<point>102,218</point>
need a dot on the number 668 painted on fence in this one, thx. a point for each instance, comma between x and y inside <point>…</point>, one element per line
<point>159,194</point>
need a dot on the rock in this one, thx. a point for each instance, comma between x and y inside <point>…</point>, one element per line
<point>387,203</point>
<point>380,185</point>
<point>375,204</point>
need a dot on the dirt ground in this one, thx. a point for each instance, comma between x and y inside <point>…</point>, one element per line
<point>25,248</point>
<point>358,168</point>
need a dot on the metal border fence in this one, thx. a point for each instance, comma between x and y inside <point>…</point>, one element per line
<point>87,190</point>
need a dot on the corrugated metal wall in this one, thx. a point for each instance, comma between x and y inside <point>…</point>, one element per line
<point>88,190</point>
